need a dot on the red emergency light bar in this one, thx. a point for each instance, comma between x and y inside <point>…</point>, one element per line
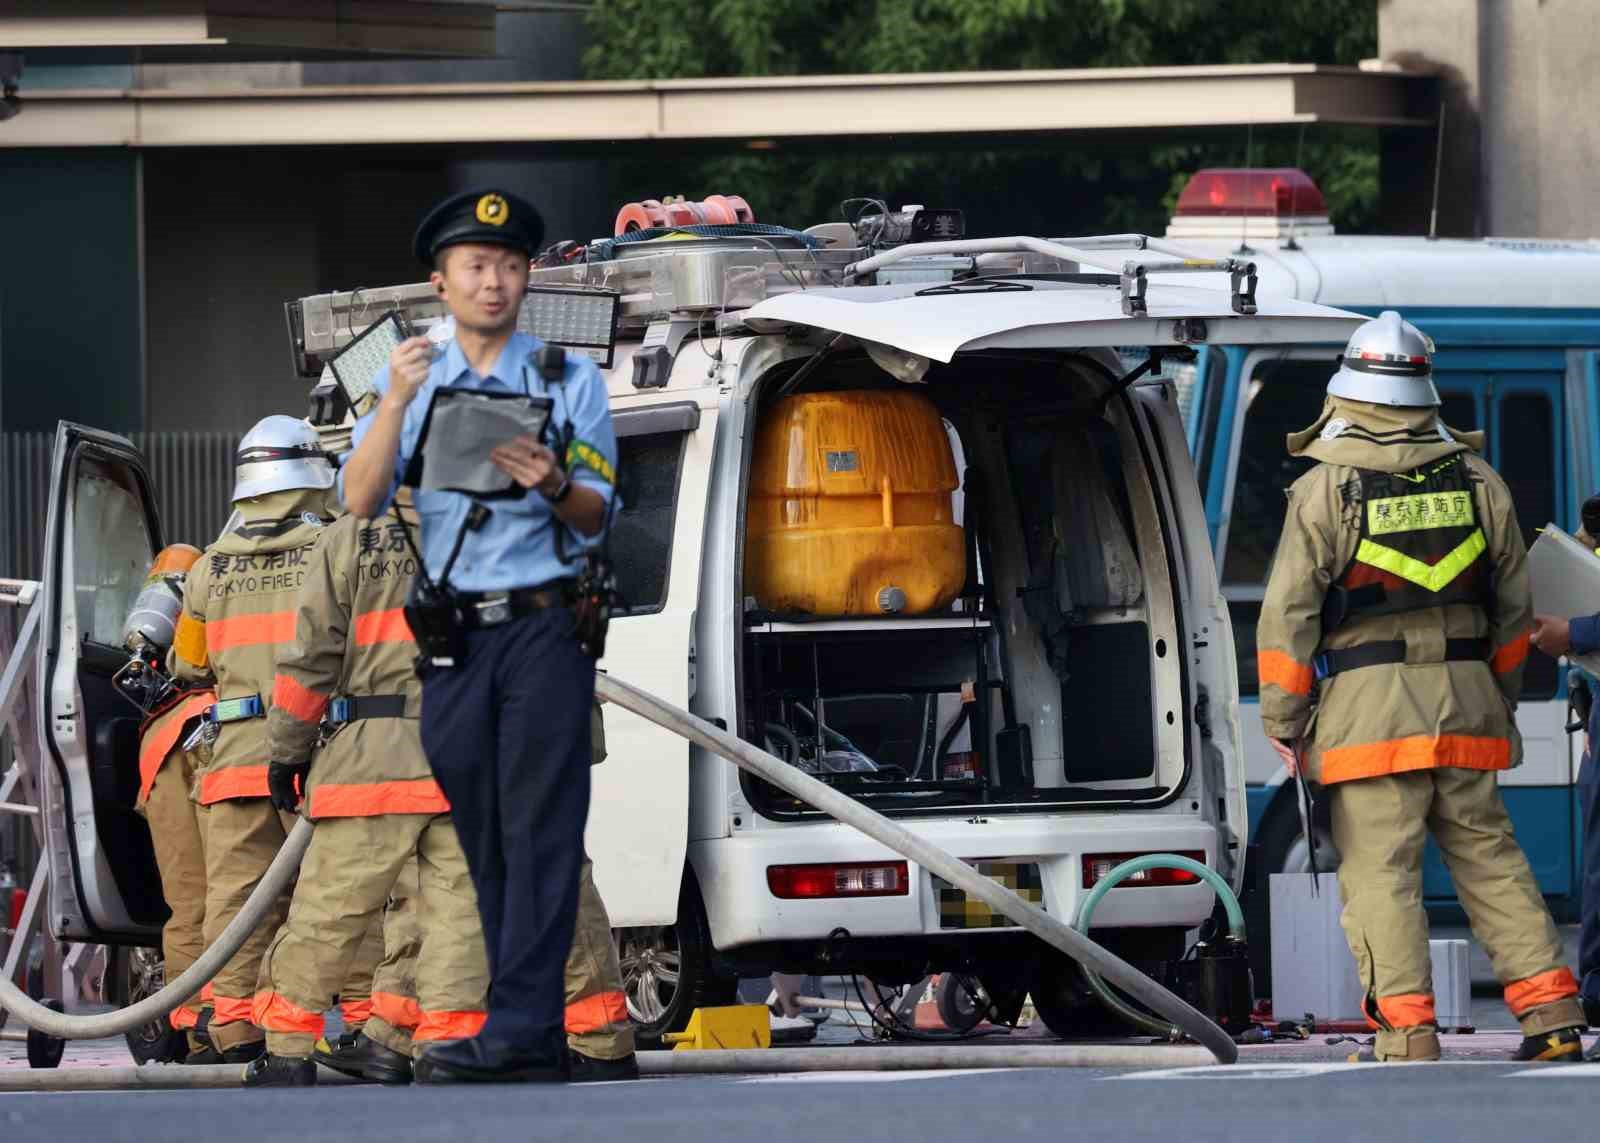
<point>1098,866</point>
<point>1234,192</point>
<point>832,879</point>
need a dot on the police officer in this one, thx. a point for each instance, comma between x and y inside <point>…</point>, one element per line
<point>506,724</point>
<point>1391,645</point>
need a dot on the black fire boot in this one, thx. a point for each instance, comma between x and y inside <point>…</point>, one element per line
<point>364,1059</point>
<point>244,1053</point>
<point>478,1061</point>
<point>588,1069</point>
<point>203,1055</point>
<point>280,1071</point>
<point>1564,1045</point>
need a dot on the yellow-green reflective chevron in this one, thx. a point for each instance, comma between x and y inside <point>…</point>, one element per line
<point>1422,512</point>
<point>1434,577</point>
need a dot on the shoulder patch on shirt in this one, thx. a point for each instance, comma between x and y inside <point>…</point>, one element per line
<point>1334,428</point>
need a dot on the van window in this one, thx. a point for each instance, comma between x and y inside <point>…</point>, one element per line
<point>1527,462</point>
<point>648,467</point>
<point>111,549</point>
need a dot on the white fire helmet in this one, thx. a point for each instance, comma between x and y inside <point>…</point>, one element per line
<point>1389,361</point>
<point>280,452</point>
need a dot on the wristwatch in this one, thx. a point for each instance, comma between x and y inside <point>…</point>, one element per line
<point>561,493</point>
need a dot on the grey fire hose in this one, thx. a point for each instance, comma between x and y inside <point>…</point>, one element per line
<point>852,813</point>
<point>823,797</point>
<point>272,884</point>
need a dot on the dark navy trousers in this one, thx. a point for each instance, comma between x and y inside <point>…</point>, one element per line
<point>507,734</point>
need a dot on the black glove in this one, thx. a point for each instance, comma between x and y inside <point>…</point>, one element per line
<point>281,784</point>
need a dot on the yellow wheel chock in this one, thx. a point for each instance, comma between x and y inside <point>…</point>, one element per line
<point>735,1026</point>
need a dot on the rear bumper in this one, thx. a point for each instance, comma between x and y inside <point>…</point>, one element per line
<point>732,873</point>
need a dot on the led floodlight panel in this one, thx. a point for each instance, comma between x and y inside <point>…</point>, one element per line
<point>581,320</point>
<point>358,362</point>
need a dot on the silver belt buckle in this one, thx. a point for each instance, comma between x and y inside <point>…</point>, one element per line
<point>492,612</point>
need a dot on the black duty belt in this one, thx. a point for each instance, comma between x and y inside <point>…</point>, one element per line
<point>343,710</point>
<point>492,608</point>
<point>1330,663</point>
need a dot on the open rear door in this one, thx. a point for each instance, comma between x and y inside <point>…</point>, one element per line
<point>101,534</point>
<point>638,831</point>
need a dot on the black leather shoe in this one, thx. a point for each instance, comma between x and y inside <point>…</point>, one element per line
<point>1564,1045</point>
<point>588,1069</point>
<point>244,1053</point>
<point>280,1071</point>
<point>1591,1010</point>
<point>364,1059</point>
<point>473,1061</point>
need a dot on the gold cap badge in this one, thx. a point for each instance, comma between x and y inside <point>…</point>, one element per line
<point>492,210</point>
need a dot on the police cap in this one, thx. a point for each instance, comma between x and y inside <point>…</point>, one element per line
<point>488,215</point>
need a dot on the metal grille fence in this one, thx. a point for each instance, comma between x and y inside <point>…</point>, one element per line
<point>192,473</point>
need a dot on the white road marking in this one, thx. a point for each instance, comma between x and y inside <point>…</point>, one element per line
<point>1249,1071</point>
<point>1559,1071</point>
<point>876,1077</point>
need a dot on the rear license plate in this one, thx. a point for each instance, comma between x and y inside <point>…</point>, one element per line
<point>959,911</point>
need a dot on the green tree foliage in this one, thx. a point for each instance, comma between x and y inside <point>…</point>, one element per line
<point>1032,185</point>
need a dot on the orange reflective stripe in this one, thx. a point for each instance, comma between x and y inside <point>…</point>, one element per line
<point>183,1017</point>
<point>449,1025</point>
<point>369,799</point>
<point>396,1011</point>
<point>276,1013</point>
<point>1409,1010</point>
<point>1280,670</point>
<point>383,627</point>
<point>228,1009</point>
<point>355,1012</point>
<point>596,1013</point>
<point>1546,988</point>
<point>250,630</point>
<point>1511,656</point>
<point>208,994</point>
<point>299,700</point>
<point>162,735</point>
<point>1401,755</point>
<point>234,782</point>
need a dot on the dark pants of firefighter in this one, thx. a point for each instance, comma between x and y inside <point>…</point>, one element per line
<point>507,734</point>
<point>1589,900</point>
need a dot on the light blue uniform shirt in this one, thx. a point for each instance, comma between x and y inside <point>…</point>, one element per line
<point>516,546</point>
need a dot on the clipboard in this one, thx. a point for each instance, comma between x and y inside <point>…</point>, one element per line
<point>461,426</point>
<point>1565,577</point>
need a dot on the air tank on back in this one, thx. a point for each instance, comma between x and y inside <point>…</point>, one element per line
<point>154,617</point>
<point>850,509</point>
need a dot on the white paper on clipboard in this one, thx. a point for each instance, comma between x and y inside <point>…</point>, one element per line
<point>1565,577</point>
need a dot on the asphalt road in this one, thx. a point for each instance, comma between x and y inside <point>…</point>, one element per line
<point>1461,1103</point>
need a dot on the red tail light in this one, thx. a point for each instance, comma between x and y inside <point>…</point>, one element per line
<point>856,879</point>
<point>1096,866</point>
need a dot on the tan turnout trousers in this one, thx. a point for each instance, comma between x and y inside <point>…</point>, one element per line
<point>177,833</point>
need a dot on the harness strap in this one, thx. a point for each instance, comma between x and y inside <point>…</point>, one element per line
<point>235,710</point>
<point>1384,652</point>
<point>354,708</point>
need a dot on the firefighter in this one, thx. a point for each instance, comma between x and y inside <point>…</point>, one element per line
<point>509,683</point>
<point>238,609</point>
<point>381,816</point>
<point>1391,645</point>
<point>168,762</point>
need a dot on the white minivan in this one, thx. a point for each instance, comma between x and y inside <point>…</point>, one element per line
<point>920,521</point>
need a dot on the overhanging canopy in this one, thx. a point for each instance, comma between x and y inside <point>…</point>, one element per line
<point>753,110</point>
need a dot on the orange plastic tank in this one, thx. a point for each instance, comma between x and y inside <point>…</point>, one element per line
<point>850,507</point>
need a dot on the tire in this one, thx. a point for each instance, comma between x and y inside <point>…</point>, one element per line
<point>136,973</point>
<point>1065,1003</point>
<point>670,970</point>
<point>45,1051</point>
<point>957,1008</point>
